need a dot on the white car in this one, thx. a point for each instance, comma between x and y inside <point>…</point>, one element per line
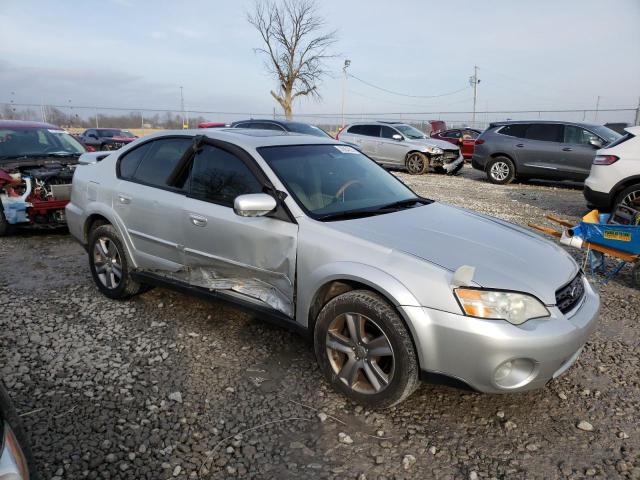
<point>615,174</point>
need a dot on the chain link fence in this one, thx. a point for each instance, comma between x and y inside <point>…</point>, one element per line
<point>78,117</point>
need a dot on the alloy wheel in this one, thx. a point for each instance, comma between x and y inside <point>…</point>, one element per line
<point>360,353</point>
<point>632,199</point>
<point>107,262</point>
<point>499,171</point>
<point>415,163</point>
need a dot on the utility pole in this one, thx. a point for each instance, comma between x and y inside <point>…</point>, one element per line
<point>474,81</point>
<point>184,118</point>
<point>344,86</point>
<point>97,120</point>
<point>595,117</point>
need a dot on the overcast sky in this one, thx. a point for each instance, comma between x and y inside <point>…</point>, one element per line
<point>538,54</point>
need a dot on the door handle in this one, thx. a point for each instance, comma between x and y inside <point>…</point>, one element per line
<point>124,199</point>
<point>567,149</point>
<point>520,145</point>
<point>198,220</point>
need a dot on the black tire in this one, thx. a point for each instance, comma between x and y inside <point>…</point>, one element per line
<point>107,237</point>
<point>501,171</point>
<point>399,367</point>
<point>417,163</point>
<point>635,274</point>
<point>5,227</point>
<point>630,196</point>
<point>10,415</point>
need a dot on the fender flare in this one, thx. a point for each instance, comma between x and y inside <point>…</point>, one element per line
<point>97,208</point>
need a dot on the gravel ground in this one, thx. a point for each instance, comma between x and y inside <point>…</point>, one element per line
<point>168,386</point>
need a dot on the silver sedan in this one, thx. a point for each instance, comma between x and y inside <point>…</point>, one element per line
<point>312,234</point>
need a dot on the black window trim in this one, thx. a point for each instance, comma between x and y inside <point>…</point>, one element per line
<point>282,212</point>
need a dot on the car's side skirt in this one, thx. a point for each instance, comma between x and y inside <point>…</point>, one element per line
<point>246,304</point>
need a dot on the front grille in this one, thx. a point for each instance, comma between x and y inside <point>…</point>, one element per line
<point>569,296</point>
<point>451,154</point>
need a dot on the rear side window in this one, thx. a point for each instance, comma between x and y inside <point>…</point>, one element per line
<point>218,176</point>
<point>545,132</point>
<point>368,130</point>
<point>267,126</point>
<point>159,163</point>
<point>514,130</point>
<point>130,161</point>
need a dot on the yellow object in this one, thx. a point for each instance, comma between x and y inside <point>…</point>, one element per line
<point>592,217</point>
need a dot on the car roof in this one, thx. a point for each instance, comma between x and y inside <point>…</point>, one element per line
<point>252,137</point>
<point>563,122</point>
<point>26,124</point>
<point>282,123</point>
<point>376,122</point>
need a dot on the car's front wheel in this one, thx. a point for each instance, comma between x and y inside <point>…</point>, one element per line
<point>417,163</point>
<point>109,264</point>
<point>364,349</point>
<point>501,170</point>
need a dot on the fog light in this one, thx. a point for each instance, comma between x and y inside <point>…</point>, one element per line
<point>515,373</point>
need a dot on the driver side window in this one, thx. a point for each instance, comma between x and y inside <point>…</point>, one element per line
<point>387,132</point>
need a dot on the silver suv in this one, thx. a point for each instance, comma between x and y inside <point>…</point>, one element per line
<point>310,233</point>
<point>396,144</point>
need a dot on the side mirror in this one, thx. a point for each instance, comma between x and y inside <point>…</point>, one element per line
<point>596,142</point>
<point>254,204</point>
<point>397,137</point>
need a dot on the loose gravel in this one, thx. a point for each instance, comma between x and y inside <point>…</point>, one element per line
<point>167,386</point>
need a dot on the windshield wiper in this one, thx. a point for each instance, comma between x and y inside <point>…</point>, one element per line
<point>368,212</point>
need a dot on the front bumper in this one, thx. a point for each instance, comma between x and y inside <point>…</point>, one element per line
<point>449,167</point>
<point>470,350</point>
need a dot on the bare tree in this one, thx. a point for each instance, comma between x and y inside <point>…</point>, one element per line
<point>295,47</point>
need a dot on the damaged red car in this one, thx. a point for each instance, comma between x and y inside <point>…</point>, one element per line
<point>37,161</point>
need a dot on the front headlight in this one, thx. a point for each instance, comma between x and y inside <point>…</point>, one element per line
<point>434,150</point>
<point>513,307</point>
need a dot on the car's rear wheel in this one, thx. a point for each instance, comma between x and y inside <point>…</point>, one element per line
<point>109,264</point>
<point>501,171</point>
<point>364,349</point>
<point>417,163</point>
<point>630,197</point>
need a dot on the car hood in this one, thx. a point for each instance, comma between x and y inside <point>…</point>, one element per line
<point>504,255</point>
<point>433,142</point>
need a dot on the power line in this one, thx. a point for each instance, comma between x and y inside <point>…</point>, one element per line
<point>405,94</point>
<point>393,102</point>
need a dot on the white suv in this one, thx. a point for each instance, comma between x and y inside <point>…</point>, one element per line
<point>615,173</point>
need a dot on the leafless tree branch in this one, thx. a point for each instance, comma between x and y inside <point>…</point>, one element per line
<point>295,46</point>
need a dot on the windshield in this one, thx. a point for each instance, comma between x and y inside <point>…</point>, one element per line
<point>334,179</point>
<point>18,142</point>
<point>115,133</point>
<point>307,129</point>
<point>410,132</point>
<point>606,133</point>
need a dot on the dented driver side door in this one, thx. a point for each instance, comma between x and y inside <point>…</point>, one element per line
<point>254,257</point>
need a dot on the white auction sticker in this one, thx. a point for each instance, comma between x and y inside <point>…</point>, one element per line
<point>345,149</point>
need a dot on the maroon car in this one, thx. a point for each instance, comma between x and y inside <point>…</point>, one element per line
<point>465,138</point>
<point>212,125</point>
<point>37,161</point>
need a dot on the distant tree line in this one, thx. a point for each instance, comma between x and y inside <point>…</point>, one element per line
<point>70,118</point>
